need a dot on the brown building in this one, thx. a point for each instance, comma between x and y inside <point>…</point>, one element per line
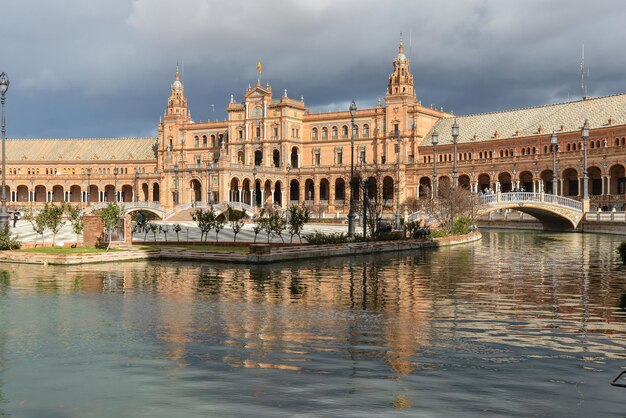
<point>274,150</point>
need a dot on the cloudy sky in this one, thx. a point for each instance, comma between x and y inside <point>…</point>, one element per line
<point>102,68</point>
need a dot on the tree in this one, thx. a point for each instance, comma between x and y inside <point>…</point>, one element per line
<point>236,221</point>
<point>111,216</point>
<point>54,218</point>
<point>297,216</point>
<point>218,224</point>
<point>278,224</point>
<point>205,219</point>
<point>456,202</point>
<point>177,229</point>
<point>164,229</point>
<point>258,227</point>
<point>75,217</point>
<point>38,222</point>
<point>370,184</point>
<point>7,241</point>
<point>154,228</point>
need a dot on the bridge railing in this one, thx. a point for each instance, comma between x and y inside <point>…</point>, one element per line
<point>563,201</point>
<point>549,199</point>
<point>520,197</point>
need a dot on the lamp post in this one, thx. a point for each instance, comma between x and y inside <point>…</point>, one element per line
<point>116,171</point>
<point>32,191</point>
<point>175,184</point>
<point>351,214</point>
<point>136,191</point>
<point>397,216</point>
<point>288,185</point>
<point>553,144</point>
<point>88,186</point>
<point>455,138</point>
<point>254,188</point>
<point>584,135</point>
<point>434,139</point>
<point>4,214</point>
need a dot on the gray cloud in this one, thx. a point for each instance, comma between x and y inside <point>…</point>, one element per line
<point>103,67</point>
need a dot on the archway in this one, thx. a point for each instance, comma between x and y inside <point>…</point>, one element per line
<point>526,181</point>
<point>156,192</point>
<point>388,188</point>
<point>234,190</point>
<point>267,192</point>
<point>57,194</point>
<point>595,181</point>
<point>309,190</point>
<point>618,179</point>
<point>340,189</point>
<point>258,157</point>
<point>75,194</point>
<point>372,188</point>
<point>424,188</point>
<point>144,191</point>
<point>93,193</point>
<point>443,189</point>
<point>464,182</point>
<point>109,193</point>
<point>40,194</point>
<point>324,190</point>
<point>126,193</point>
<point>546,177</point>
<point>247,191</point>
<point>505,182</point>
<point>276,158</point>
<point>484,182</point>
<point>22,193</point>
<point>278,193</point>
<point>196,190</point>
<point>295,160</point>
<point>570,182</point>
<point>294,192</point>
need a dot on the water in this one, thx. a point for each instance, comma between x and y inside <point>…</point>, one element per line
<point>519,324</point>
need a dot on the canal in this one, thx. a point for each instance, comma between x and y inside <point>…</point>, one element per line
<point>518,324</point>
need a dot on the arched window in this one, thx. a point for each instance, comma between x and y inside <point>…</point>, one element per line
<point>204,141</point>
<point>196,141</point>
<point>335,132</point>
<point>314,134</point>
<point>324,133</point>
<point>258,132</point>
<point>593,144</point>
<point>213,141</point>
<point>616,142</point>
<point>257,111</point>
<point>366,131</point>
<point>534,150</point>
<point>355,130</point>
<point>344,131</point>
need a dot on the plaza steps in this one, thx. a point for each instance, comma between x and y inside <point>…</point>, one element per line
<point>183,215</point>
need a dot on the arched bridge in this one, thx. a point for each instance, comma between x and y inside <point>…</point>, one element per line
<point>554,212</point>
<point>218,208</point>
<point>129,207</point>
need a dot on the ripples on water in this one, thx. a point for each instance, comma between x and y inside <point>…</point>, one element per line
<point>519,324</point>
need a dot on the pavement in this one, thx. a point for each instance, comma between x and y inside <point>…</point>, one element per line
<point>190,232</point>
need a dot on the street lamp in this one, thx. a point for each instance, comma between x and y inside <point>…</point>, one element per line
<point>4,214</point>
<point>399,139</point>
<point>434,139</point>
<point>32,190</point>
<point>351,214</point>
<point>116,171</point>
<point>584,135</point>
<point>175,184</point>
<point>88,186</point>
<point>455,138</point>
<point>254,188</point>
<point>136,191</point>
<point>553,144</point>
<point>288,185</point>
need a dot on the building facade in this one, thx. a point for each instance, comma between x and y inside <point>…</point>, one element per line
<point>274,150</point>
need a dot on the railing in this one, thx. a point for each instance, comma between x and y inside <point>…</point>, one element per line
<point>606,216</point>
<point>241,205</point>
<point>514,197</point>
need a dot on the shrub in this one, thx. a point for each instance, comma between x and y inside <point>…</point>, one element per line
<point>439,233</point>
<point>318,238</point>
<point>621,249</point>
<point>462,225</point>
<point>390,236</point>
<point>7,241</point>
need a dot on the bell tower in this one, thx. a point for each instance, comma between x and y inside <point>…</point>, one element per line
<point>401,80</point>
<point>177,102</point>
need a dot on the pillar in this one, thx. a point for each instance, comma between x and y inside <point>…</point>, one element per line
<point>608,185</point>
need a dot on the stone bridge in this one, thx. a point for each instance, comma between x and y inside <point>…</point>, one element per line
<point>129,207</point>
<point>218,208</point>
<point>554,212</point>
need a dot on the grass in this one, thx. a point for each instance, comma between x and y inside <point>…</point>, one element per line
<point>68,250</point>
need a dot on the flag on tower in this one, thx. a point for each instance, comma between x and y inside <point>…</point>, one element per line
<point>259,67</point>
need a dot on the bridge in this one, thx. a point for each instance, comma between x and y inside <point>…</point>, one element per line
<point>554,212</point>
<point>129,207</point>
<point>218,208</point>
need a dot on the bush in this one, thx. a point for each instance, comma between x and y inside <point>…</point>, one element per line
<point>621,249</point>
<point>390,236</point>
<point>439,233</point>
<point>318,238</point>
<point>462,225</point>
<point>7,241</point>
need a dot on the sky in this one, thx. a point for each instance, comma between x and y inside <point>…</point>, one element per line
<point>103,68</point>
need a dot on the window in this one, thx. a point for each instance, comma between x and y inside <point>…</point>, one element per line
<point>339,157</point>
<point>324,133</point>
<point>257,111</point>
<point>344,132</point>
<point>196,142</point>
<point>366,131</point>
<point>275,131</point>
<point>335,132</point>
<point>362,159</point>
<point>314,134</point>
<point>197,159</point>
<point>240,133</point>
<point>316,158</point>
<point>204,141</point>
<point>355,130</point>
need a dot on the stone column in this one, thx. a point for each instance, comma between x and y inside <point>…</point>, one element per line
<point>608,185</point>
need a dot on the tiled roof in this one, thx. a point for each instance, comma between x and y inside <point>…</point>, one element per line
<point>92,149</point>
<point>562,117</point>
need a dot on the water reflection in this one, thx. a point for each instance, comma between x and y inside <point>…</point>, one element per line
<point>511,299</point>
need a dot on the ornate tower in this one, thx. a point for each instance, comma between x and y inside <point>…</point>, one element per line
<point>177,102</point>
<point>401,80</point>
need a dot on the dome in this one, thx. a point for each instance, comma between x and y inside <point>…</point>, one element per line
<point>177,84</point>
<point>401,57</point>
